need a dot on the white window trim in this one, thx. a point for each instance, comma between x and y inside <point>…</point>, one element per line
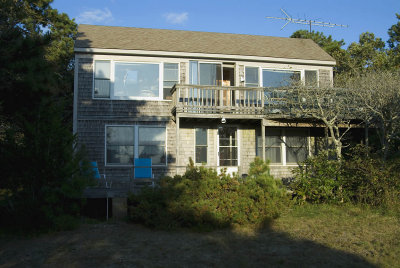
<point>112,80</point>
<point>259,74</point>
<point>238,133</point>
<point>179,76</point>
<point>209,62</point>
<point>136,143</point>
<point>301,71</point>
<point>283,149</point>
<point>94,77</point>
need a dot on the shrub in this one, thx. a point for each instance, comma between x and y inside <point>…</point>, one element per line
<point>361,178</point>
<point>204,199</point>
<point>370,180</point>
<point>319,179</point>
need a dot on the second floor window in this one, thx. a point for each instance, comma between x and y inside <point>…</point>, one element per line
<point>278,78</point>
<point>171,77</point>
<point>136,80</point>
<point>102,79</point>
<point>127,80</point>
<point>204,73</point>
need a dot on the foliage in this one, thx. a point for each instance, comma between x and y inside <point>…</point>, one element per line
<point>394,40</point>
<point>204,199</point>
<point>334,107</point>
<point>372,181</point>
<point>319,179</point>
<point>331,46</point>
<point>41,183</point>
<point>41,178</point>
<point>360,178</point>
<point>378,94</point>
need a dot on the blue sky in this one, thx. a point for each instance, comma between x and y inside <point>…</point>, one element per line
<point>238,16</point>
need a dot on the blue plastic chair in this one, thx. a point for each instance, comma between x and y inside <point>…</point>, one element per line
<point>97,175</point>
<point>143,169</point>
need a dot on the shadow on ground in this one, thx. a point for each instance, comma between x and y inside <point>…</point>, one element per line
<point>126,245</point>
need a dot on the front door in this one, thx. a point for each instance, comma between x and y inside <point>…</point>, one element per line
<point>228,152</point>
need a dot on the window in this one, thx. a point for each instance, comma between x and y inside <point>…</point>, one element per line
<point>136,80</point>
<point>127,80</point>
<point>201,145</point>
<point>296,145</point>
<point>124,143</point>
<point>120,144</point>
<point>102,79</point>
<point>152,144</point>
<point>273,145</point>
<point>284,145</point>
<point>311,78</point>
<point>171,77</point>
<point>277,78</point>
<point>251,78</point>
<point>209,74</point>
<point>228,146</point>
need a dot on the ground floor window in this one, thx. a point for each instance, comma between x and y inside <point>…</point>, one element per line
<point>284,145</point>
<point>228,146</point>
<point>124,143</point>
<point>201,145</point>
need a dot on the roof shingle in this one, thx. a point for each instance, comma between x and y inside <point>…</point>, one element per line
<point>110,37</point>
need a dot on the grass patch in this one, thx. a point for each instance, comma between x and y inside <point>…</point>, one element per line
<point>306,236</point>
<point>359,230</point>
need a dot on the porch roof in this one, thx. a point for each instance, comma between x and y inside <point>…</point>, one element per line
<point>128,38</point>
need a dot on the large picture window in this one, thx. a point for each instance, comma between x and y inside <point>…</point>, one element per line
<point>124,143</point>
<point>136,80</point>
<point>127,80</point>
<point>278,78</point>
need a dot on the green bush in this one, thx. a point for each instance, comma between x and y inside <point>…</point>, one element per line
<point>204,199</point>
<point>360,178</point>
<point>372,181</point>
<point>319,179</point>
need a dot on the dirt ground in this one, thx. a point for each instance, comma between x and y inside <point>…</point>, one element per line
<point>119,244</point>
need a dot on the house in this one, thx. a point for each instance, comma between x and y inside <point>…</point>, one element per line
<point>172,95</point>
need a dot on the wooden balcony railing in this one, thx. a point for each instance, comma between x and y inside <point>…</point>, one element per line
<point>228,100</point>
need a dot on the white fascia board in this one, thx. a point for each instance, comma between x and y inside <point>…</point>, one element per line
<point>200,55</point>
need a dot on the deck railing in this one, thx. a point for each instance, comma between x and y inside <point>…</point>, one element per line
<point>229,100</point>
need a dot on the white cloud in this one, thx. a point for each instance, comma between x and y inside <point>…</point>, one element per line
<point>95,16</point>
<point>176,18</point>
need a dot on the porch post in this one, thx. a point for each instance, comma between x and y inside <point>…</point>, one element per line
<point>263,138</point>
<point>177,143</point>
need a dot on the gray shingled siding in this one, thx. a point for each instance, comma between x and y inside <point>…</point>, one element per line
<point>95,114</point>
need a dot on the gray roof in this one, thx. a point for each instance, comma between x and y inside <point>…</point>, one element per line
<point>110,37</point>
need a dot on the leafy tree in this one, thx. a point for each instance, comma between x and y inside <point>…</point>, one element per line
<point>394,35</point>
<point>39,165</point>
<point>331,46</point>
<point>368,53</point>
<point>394,40</point>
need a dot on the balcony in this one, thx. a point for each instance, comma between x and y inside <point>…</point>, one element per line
<point>241,102</point>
